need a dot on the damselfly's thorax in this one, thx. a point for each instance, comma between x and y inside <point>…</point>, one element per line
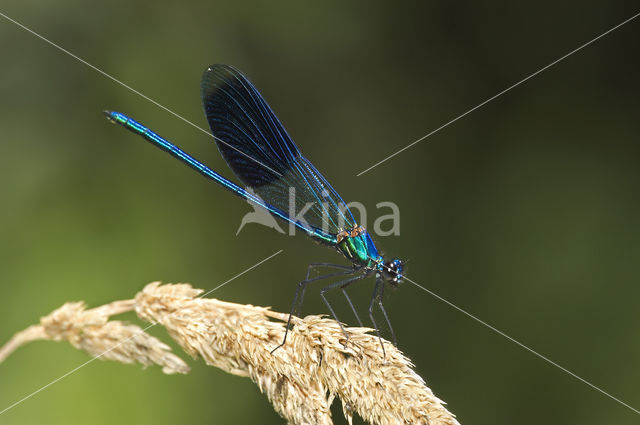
<point>357,246</point>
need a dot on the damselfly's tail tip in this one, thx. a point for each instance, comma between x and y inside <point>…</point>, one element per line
<point>113,116</point>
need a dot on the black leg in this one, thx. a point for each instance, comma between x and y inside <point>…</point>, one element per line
<point>355,313</point>
<point>341,284</point>
<point>374,297</point>
<point>334,266</point>
<point>312,266</point>
<point>299,295</point>
<point>386,317</point>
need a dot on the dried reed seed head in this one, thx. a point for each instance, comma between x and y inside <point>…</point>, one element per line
<point>309,370</point>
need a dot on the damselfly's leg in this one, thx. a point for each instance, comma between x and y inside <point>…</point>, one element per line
<point>374,297</point>
<point>313,266</point>
<point>299,295</point>
<point>341,284</point>
<point>384,312</point>
<point>355,313</point>
<point>344,292</point>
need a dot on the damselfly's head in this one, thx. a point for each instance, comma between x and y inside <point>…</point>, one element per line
<point>392,271</point>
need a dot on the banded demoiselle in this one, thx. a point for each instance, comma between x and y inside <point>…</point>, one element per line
<point>259,151</point>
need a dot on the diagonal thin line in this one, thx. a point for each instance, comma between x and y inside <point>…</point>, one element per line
<point>546,359</point>
<point>240,274</point>
<point>499,94</point>
<point>134,90</point>
<point>126,340</point>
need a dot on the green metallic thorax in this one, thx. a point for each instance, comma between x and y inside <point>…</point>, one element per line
<point>359,249</point>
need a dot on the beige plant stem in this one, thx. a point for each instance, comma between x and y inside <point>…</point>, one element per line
<point>300,379</point>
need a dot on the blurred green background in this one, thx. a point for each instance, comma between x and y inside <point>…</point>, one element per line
<point>525,213</point>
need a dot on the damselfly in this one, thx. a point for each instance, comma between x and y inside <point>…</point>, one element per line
<point>258,149</point>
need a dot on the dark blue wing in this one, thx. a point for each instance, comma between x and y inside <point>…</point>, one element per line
<point>260,152</point>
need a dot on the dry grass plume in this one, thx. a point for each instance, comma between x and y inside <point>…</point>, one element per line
<point>300,379</point>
